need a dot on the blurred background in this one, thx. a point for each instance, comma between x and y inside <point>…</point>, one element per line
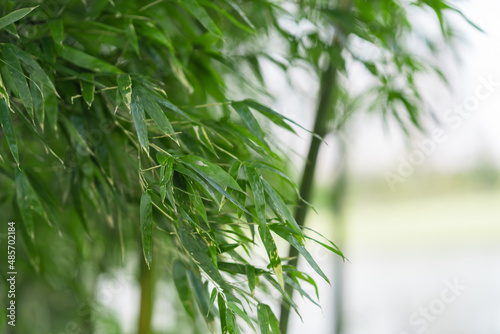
<point>440,223</point>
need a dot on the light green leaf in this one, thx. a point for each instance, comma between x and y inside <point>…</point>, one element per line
<point>146,213</point>
<point>275,326</point>
<point>14,16</point>
<point>236,309</point>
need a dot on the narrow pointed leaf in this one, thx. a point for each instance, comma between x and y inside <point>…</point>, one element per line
<point>14,16</point>
<point>146,214</point>
<point>139,117</point>
<point>88,88</point>
<point>6,121</point>
<point>183,289</point>
<point>19,78</point>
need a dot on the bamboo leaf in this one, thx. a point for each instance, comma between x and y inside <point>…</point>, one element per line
<point>183,289</point>
<point>57,30</point>
<point>139,117</point>
<point>6,121</point>
<point>14,16</point>
<point>292,240</point>
<point>255,182</point>
<point>263,319</point>
<point>210,171</point>
<point>19,78</point>
<point>156,113</point>
<point>28,202</point>
<point>222,314</point>
<point>146,213</point>
<point>132,37</point>
<point>125,88</point>
<point>88,88</point>
<point>84,60</point>
<point>201,15</point>
<point>250,121</point>
<point>250,270</point>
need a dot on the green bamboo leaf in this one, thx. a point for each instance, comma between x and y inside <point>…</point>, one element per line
<point>210,171</point>
<point>51,107</point>
<point>6,121</point>
<point>38,103</point>
<point>201,15</point>
<point>19,78</point>
<point>183,289</point>
<point>88,88</point>
<point>196,201</point>
<point>222,314</point>
<point>202,299</point>
<point>242,314</point>
<point>281,208</point>
<point>275,325</point>
<point>250,121</point>
<point>57,30</point>
<point>263,318</point>
<point>199,252</point>
<point>156,113</point>
<point>146,213</point>
<point>35,70</point>
<point>28,202</point>
<point>84,60</point>
<point>132,37</point>
<point>248,28</point>
<point>231,322</point>
<point>14,16</point>
<point>125,88</point>
<point>139,117</point>
<point>297,287</point>
<point>256,184</point>
<point>250,270</point>
<point>275,117</point>
<point>213,295</point>
<point>287,235</point>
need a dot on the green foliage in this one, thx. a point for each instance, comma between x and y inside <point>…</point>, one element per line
<point>126,127</point>
<point>121,127</point>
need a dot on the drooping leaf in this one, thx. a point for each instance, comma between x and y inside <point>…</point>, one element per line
<point>201,15</point>
<point>251,123</point>
<point>6,121</point>
<point>57,31</point>
<point>132,37</point>
<point>292,240</point>
<point>28,202</point>
<point>183,289</point>
<point>18,77</point>
<point>146,213</point>
<point>255,182</point>
<point>139,117</point>
<point>88,88</point>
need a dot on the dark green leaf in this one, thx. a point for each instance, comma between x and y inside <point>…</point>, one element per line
<point>146,213</point>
